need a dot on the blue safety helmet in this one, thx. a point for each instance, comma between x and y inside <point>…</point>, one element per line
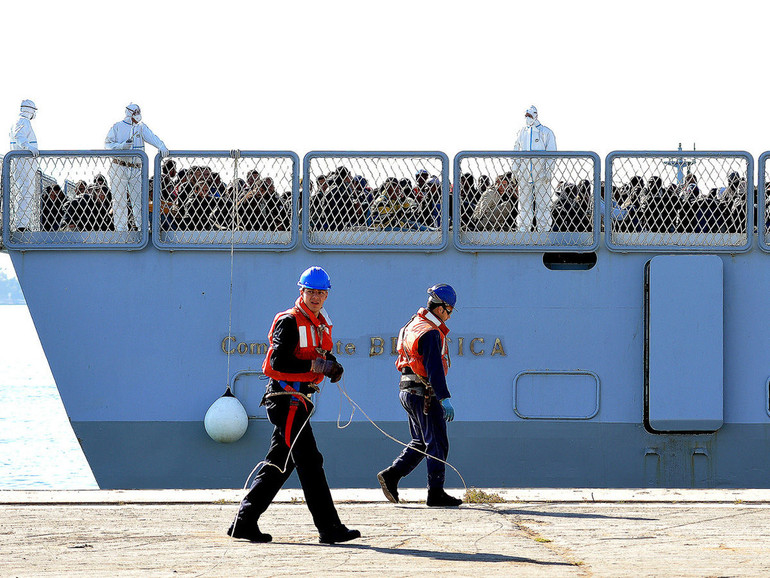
<point>442,294</point>
<point>314,278</point>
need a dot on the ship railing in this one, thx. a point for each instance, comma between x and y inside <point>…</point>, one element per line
<point>245,200</point>
<point>656,201</point>
<point>763,187</point>
<point>2,156</point>
<point>526,201</point>
<point>75,199</point>
<point>679,201</point>
<point>384,200</point>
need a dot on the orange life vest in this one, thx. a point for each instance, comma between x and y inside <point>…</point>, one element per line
<point>408,339</point>
<point>315,340</point>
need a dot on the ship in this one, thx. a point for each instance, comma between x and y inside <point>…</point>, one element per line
<point>610,327</point>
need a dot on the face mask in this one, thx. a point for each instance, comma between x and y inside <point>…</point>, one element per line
<point>137,118</point>
<point>530,120</point>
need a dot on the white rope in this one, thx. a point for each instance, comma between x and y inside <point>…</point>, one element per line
<point>264,463</point>
<point>340,385</point>
<point>386,434</point>
<point>236,155</point>
<point>291,447</point>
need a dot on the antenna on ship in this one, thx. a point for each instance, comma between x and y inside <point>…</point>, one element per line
<point>680,164</point>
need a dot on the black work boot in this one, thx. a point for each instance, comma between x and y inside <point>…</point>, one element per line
<point>244,531</point>
<point>439,498</point>
<point>389,483</point>
<point>337,534</point>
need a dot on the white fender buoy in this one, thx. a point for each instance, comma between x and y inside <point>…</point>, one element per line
<point>226,420</point>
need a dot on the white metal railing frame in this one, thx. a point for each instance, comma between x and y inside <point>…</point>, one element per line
<point>371,236</point>
<point>676,241</point>
<point>228,237</point>
<point>133,240</point>
<point>763,220</point>
<point>37,239</point>
<point>530,241</point>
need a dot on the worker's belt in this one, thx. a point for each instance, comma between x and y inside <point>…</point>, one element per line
<point>294,389</point>
<point>307,389</point>
<point>415,390</point>
<point>126,164</point>
<point>412,383</point>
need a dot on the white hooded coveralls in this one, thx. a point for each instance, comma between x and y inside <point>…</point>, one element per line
<point>24,172</point>
<point>125,173</point>
<point>534,177</point>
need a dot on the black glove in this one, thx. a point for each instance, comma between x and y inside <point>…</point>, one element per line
<point>329,368</point>
<point>336,373</point>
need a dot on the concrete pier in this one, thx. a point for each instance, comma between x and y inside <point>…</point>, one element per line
<point>581,532</point>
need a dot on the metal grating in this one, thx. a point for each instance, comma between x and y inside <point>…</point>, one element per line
<point>364,200</point>
<point>526,201</point>
<point>679,200</point>
<point>75,198</point>
<point>215,199</point>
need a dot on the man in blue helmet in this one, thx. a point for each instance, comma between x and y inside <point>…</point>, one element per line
<point>298,359</point>
<point>423,360</point>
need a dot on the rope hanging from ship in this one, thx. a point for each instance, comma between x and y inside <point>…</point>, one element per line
<point>226,420</point>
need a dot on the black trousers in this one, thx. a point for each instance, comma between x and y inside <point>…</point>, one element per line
<point>288,414</point>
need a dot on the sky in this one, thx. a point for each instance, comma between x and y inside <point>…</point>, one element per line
<point>391,75</point>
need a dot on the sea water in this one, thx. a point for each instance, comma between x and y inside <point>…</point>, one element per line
<point>38,449</point>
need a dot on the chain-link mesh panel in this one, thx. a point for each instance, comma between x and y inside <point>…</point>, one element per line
<point>215,199</point>
<point>2,158</point>
<point>520,200</point>
<point>375,199</point>
<point>763,188</point>
<point>75,198</point>
<point>679,200</point>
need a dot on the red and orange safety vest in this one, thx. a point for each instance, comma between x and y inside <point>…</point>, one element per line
<point>315,340</point>
<point>408,339</point>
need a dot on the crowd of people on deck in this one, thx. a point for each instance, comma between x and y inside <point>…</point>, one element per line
<point>90,209</point>
<point>340,201</point>
<point>655,207</point>
<point>198,199</point>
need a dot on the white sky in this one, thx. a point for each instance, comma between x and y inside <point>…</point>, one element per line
<point>391,74</point>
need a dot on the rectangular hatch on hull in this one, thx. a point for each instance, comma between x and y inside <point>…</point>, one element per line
<point>684,343</point>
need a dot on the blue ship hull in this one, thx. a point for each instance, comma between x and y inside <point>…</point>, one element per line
<point>632,360</point>
<point>137,343</point>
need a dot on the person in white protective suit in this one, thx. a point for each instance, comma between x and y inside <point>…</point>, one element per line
<point>534,174</point>
<point>25,169</point>
<point>125,173</point>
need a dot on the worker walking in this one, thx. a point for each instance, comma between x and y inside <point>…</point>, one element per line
<point>298,359</point>
<point>423,360</point>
